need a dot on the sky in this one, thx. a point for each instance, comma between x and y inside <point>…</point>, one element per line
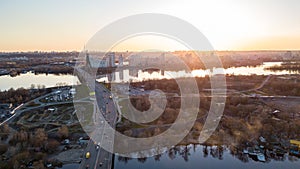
<point>56,25</point>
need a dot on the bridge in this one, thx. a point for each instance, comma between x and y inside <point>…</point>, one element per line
<point>99,158</point>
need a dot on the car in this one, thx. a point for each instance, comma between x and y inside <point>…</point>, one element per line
<point>100,164</point>
<point>65,142</point>
<point>87,166</point>
<point>87,155</point>
<point>49,165</point>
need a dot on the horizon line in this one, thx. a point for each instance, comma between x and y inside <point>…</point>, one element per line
<point>77,51</point>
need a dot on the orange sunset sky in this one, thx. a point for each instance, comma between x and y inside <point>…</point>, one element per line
<point>55,25</point>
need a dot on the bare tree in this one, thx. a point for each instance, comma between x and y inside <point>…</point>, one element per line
<point>63,132</point>
<point>39,138</point>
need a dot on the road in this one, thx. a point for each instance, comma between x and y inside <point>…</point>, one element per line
<point>100,158</point>
<point>25,107</point>
<point>12,112</point>
<point>256,88</point>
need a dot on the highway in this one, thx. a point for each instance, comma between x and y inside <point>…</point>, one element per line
<point>100,158</point>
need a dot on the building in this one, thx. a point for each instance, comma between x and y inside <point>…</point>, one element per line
<point>147,59</point>
<point>121,60</point>
<point>121,75</point>
<point>93,62</point>
<point>111,57</point>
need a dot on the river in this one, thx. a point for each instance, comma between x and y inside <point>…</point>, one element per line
<point>195,158</point>
<point>29,78</point>
<point>51,80</point>
<point>139,75</point>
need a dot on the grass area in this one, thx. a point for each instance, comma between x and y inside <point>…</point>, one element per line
<point>41,118</point>
<point>82,91</point>
<point>43,100</point>
<point>76,129</point>
<point>66,117</point>
<point>85,112</point>
<point>123,105</point>
<point>32,104</point>
<point>124,108</point>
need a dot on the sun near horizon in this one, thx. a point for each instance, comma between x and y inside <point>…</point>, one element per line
<point>228,25</point>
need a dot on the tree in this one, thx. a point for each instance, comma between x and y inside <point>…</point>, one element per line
<point>52,145</point>
<point>4,131</point>
<point>198,126</point>
<point>63,132</point>
<point>21,158</point>
<point>32,86</point>
<point>38,165</point>
<point>3,148</point>
<point>39,138</point>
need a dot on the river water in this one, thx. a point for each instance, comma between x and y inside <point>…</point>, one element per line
<point>139,75</point>
<point>195,158</point>
<point>51,80</point>
<point>29,78</point>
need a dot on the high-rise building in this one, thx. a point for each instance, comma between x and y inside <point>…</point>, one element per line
<point>121,75</point>
<point>93,62</point>
<point>111,57</point>
<point>87,59</point>
<point>107,60</point>
<point>121,60</point>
